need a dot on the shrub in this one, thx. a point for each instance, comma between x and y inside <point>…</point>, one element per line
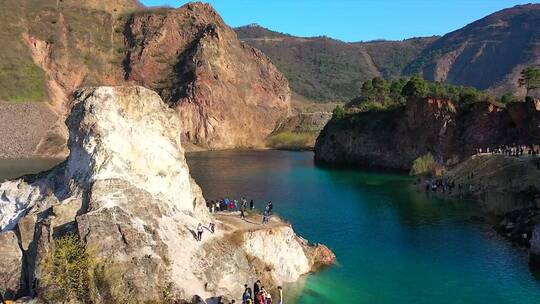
<point>423,165</point>
<point>292,140</point>
<point>338,113</point>
<point>508,98</point>
<point>66,273</point>
<point>415,87</point>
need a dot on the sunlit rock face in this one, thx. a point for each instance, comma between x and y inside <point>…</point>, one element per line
<point>126,191</point>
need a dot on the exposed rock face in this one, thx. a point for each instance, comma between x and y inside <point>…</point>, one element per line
<point>500,183</point>
<point>125,190</point>
<point>394,139</point>
<point>534,255</point>
<point>227,94</point>
<point>10,263</point>
<point>487,54</point>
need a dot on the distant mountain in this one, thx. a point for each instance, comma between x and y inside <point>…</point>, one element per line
<point>488,53</point>
<point>325,69</point>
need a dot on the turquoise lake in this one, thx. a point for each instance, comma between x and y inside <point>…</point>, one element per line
<point>394,245</point>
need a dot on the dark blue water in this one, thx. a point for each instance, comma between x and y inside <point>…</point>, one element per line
<point>394,245</point>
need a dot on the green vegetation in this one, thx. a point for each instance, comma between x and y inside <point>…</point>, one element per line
<point>292,140</point>
<point>530,79</point>
<point>415,87</point>
<point>379,94</point>
<point>328,70</point>
<point>67,271</point>
<point>423,166</point>
<point>338,112</point>
<point>20,78</point>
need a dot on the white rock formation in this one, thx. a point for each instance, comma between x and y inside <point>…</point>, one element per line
<point>126,190</point>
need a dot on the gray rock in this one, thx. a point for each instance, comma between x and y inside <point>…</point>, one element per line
<point>10,264</point>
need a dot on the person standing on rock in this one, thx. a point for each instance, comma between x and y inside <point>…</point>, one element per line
<point>242,211</point>
<point>266,216</point>
<point>261,296</point>
<point>251,205</point>
<point>256,291</point>
<point>246,296</point>
<point>199,232</point>
<point>280,290</point>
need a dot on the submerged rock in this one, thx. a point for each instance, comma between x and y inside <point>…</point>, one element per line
<point>125,190</point>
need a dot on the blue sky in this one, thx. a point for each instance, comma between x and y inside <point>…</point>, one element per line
<point>351,20</point>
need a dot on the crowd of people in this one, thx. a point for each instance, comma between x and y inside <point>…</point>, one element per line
<point>513,150</point>
<point>259,295</point>
<point>226,204</point>
<point>232,205</point>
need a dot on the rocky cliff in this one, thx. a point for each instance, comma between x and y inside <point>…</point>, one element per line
<point>227,94</point>
<point>126,193</point>
<point>393,139</point>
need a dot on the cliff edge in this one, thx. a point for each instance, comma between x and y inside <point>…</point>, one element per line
<point>393,139</point>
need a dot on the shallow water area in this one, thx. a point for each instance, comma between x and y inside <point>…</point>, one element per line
<point>16,167</point>
<point>394,245</point>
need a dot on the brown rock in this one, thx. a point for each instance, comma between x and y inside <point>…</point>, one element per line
<point>394,139</point>
<point>323,256</point>
<point>227,94</point>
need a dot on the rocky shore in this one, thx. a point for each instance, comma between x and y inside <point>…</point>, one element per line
<point>507,187</point>
<point>126,193</point>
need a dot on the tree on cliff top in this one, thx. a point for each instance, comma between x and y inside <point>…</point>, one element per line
<point>415,87</point>
<point>530,79</point>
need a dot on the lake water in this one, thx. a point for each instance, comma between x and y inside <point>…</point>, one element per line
<point>12,168</point>
<point>393,245</point>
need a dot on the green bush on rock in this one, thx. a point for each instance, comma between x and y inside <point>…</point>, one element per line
<point>67,271</point>
<point>423,165</point>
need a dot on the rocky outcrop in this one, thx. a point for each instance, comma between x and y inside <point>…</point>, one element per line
<point>394,139</point>
<point>126,192</point>
<point>227,94</point>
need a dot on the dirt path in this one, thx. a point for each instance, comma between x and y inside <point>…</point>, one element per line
<point>252,222</point>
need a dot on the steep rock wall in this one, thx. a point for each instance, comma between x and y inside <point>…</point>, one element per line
<point>227,94</point>
<point>394,139</point>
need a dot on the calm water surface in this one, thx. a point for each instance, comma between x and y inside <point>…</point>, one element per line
<point>393,245</point>
<point>13,168</point>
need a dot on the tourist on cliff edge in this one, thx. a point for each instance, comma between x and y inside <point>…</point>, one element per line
<point>199,232</point>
